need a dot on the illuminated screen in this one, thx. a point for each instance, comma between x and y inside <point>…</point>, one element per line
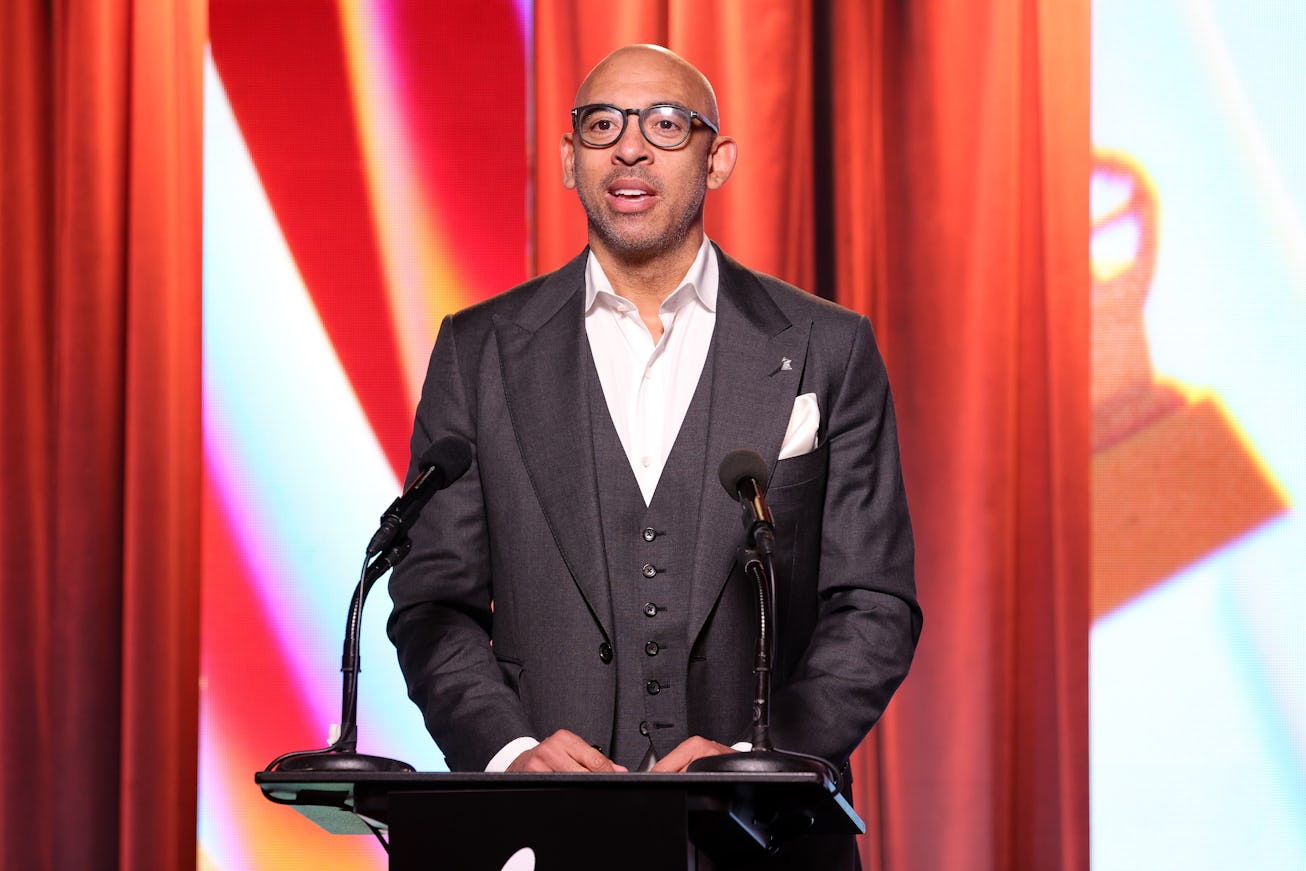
<point>1198,658</point>
<point>365,173</point>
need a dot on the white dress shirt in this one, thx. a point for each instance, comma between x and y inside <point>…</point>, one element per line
<point>648,385</point>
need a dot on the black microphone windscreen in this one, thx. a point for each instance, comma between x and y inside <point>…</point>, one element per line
<point>740,464</point>
<point>450,455</point>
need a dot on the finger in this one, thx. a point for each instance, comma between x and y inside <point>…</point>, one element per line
<point>687,751</point>
<point>549,755</point>
<point>589,758</point>
<point>565,751</point>
<point>547,758</point>
<point>539,759</point>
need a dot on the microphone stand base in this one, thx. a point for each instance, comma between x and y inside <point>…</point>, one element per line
<point>767,762</point>
<point>333,760</point>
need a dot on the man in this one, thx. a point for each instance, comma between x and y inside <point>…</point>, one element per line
<point>572,603</point>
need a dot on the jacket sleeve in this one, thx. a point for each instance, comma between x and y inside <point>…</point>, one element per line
<point>442,592</point>
<point>868,619</point>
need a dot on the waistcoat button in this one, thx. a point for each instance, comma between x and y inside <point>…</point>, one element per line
<point>605,653</point>
<point>652,648</point>
<point>649,533</point>
<point>650,610</point>
<point>648,571</point>
<point>653,687</point>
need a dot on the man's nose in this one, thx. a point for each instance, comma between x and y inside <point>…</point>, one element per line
<point>632,147</point>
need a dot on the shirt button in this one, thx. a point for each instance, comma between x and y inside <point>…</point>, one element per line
<point>645,462</point>
<point>652,648</point>
<point>653,687</point>
<point>649,570</point>
<point>605,653</point>
<point>649,533</point>
<point>650,609</point>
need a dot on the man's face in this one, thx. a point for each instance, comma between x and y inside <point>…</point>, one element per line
<point>643,201</point>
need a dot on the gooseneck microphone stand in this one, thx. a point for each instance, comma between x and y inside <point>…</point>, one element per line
<point>342,754</point>
<point>754,566</point>
<point>764,758</point>
<point>440,465</point>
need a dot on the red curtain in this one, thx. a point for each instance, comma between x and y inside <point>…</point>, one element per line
<point>926,163</point>
<point>100,149</point>
<point>977,280</point>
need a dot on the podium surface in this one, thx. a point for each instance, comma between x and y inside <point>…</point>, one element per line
<point>630,821</point>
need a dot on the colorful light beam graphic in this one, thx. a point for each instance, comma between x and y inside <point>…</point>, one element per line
<point>343,220</point>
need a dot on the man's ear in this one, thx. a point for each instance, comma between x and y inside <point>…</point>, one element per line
<point>721,161</point>
<point>568,153</point>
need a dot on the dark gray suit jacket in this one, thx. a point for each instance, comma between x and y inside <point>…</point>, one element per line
<point>502,607</point>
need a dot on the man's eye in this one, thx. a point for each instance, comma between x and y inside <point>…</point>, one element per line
<point>602,125</point>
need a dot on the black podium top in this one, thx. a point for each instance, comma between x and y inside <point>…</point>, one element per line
<point>576,821</point>
<point>335,800</point>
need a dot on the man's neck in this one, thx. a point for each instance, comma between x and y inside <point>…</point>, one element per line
<point>649,281</point>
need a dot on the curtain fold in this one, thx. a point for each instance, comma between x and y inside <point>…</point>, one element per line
<point>26,839</point>
<point>965,240</point>
<point>99,522</point>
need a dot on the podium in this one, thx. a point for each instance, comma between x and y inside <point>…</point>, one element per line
<point>570,821</point>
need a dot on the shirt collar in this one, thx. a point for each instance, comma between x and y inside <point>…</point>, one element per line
<point>701,282</point>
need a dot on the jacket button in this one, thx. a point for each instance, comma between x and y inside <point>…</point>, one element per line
<point>653,687</point>
<point>649,533</point>
<point>650,610</point>
<point>605,653</point>
<point>652,648</point>
<point>643,728</point>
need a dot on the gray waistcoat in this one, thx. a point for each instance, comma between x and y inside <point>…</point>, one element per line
<point>650,553</point>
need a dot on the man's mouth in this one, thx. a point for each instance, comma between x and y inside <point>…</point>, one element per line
<point>631,195</point>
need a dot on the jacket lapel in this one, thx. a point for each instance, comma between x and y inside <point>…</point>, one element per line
<point>546,361</point>
<point>753,392</point>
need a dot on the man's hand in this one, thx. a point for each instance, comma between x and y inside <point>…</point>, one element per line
<point>563,751</point>
<point>689,750</point>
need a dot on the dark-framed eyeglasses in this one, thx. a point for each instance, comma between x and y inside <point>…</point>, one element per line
<point>664,125</point>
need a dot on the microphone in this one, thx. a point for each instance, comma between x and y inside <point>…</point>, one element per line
<point>741,473</point>
<point>443,463</point>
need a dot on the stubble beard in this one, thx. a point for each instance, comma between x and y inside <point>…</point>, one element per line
<point>622,235</point>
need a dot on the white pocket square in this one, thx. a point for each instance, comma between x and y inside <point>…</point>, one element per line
<point>804,421</point>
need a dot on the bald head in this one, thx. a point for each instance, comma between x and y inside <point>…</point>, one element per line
<point>633,67</point>
<point>644,198</point>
